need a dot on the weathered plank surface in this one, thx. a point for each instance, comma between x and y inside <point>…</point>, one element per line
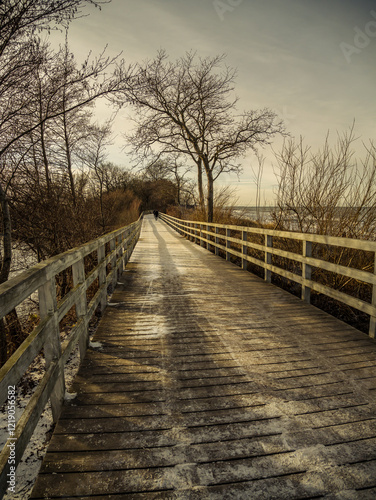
<point>213,384</point>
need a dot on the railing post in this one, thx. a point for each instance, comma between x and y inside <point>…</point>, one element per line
<point>217,240</point>
<point>209,246</point>
<point>78,271</point>
<point>126,244</point>
<point>244,250</point>
<point>113,263</point>
<point>195,239</point>
<point>52,346</point>
<point>132,238</point>
<point>268,257</point>
<point>202,243</point>
<point>306,272</point>
<point>101,252</point>
<point>121,262</point>
<point>228,244</point>
<point>372,319</point>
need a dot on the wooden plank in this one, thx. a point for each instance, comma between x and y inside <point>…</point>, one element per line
<point>106,440</point>
<point>372,322</point>
<point>217,388</point>
<point>358,244</point>
<point>28,422</point>
<point>19,288</point>
<point>147,424</point>
<point>96,410</point>
<point>78,274</point>
<point>104,482</point>
<point>13,370</point>
<point>307,239</point>
<point>46,335</point>
<point>119,458</point>
<point>52,346</point>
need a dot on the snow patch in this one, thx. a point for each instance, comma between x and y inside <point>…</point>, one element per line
<point>70,395</point>
<point>95,345</point>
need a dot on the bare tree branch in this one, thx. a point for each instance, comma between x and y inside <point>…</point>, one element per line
<point>187,107</point>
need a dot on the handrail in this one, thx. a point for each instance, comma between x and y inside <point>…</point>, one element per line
<point>207,234</point>
<point>114,248</point>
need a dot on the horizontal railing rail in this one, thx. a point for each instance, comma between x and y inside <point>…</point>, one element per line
<point>111,252</point>
<point>219,237</point>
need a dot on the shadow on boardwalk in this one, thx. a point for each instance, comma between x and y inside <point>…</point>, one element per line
<point>212,384</point>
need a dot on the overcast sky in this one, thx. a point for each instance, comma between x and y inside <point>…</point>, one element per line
<point>312,62</point>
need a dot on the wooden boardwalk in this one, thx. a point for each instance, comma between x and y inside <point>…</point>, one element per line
<point>212,384</point>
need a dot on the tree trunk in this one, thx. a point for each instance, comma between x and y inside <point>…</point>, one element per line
<point>178,189</point>
<point>11,327</point>
<point>7,237</point>
<point>103,220</point>
<point>201,196</point>
<point>210,197</point>
<point>42,142</point>
<point>5,268</point>
<point>69,160</point>
<point>45,159</point>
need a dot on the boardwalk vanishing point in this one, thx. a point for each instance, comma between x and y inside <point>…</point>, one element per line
<point>205,382</point>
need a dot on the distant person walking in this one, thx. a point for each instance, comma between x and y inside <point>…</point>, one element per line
<point>155,212</point>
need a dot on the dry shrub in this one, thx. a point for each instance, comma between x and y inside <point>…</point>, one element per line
<point>327,192</point>
<point>331,192</point>
<point>120,208</point>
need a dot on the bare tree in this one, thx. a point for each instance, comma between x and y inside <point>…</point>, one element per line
<point>175,168</point>
<point>186,108</point>
<point>23,112</point>
<point>20,21</point>
<point>104,176</point>
<point>72,128</point>
<point>25,17</point>
<point>21,57</point>
<point>35,88</point>
<point>329,191</point>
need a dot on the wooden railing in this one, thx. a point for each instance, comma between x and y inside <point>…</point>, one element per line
<point>111,253</point>
<point>237,240</point>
